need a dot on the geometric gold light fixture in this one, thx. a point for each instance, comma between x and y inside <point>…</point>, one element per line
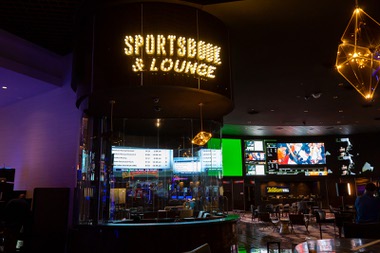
<point>358,57</point>
<point>202,137</point>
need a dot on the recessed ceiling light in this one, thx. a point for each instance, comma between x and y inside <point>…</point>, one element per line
<point>306,111</point>
<point>340,111</point>
<point>252,111</point>
<point>4,87</point>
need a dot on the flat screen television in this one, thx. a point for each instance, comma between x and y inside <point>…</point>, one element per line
<point>211,159</point>
<point>127,158</point>
<point>301,153</point>
<point>254,157</point>
<point>293,158</point>
<point>186,165</point>
<point>255,169</point>
<point>232,158</point>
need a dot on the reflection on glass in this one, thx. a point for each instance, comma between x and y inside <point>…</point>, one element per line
<point>147,171</point>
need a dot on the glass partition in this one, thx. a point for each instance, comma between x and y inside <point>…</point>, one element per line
<point>136,168</point>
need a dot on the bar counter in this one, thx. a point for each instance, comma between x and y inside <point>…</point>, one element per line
<point>156,235</point>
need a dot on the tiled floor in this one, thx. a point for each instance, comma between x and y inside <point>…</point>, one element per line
<point>253,236</point>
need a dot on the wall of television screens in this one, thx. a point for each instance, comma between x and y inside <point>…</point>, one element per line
<point>340,156</point>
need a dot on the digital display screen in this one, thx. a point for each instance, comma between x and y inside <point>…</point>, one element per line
<point>254,145</point>
<point>126,158</point>
<point>293,158</point>
<point>231,155</point>
<point>301,153</point>
<point>186,165</point>
<point>254,157</point>
<point>255,170</point>
<point>211,159</point>
<point>269,157</point>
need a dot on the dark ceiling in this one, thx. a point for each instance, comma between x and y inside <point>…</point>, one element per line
<point>282,57</point>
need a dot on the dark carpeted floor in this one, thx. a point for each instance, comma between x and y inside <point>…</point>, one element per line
<point>253,235</point>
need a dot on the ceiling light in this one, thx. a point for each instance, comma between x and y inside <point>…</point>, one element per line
<point>4,87</point>
<point>202,137</point>
<point>252,111</point>
<point>358,57</point>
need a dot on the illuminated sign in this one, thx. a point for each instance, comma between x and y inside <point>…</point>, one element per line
<point>277,189</point>
<point>172,54</point>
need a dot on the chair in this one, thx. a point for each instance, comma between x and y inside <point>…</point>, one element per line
<point>341,218</point>
<point>293,208</point>
<point>298,219</point>
<point>254,212</point>
<point>277,210</point>
<point>321,218</point>
<point>333,209</point>
<point>286,210</point>
<point>264,218</point>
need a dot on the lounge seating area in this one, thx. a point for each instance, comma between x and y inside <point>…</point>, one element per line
<point>289,231</point>
<point>321,224</point>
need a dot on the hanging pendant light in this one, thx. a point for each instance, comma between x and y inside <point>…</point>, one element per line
<point>358,58</point>
<point>202,137</point>
<point>110,135</point>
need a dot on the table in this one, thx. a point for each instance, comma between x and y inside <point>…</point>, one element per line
<point>338,245</point>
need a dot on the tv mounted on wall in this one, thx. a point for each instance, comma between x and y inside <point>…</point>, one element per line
<point>301,153</point>
<point>292,158</point>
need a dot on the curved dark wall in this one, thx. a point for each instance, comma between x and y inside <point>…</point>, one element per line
<point>103,72</point>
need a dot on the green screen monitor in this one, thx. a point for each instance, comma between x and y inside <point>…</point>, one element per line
<point>231,155</point>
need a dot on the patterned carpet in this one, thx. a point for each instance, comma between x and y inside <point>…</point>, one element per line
<point>254,235</point>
